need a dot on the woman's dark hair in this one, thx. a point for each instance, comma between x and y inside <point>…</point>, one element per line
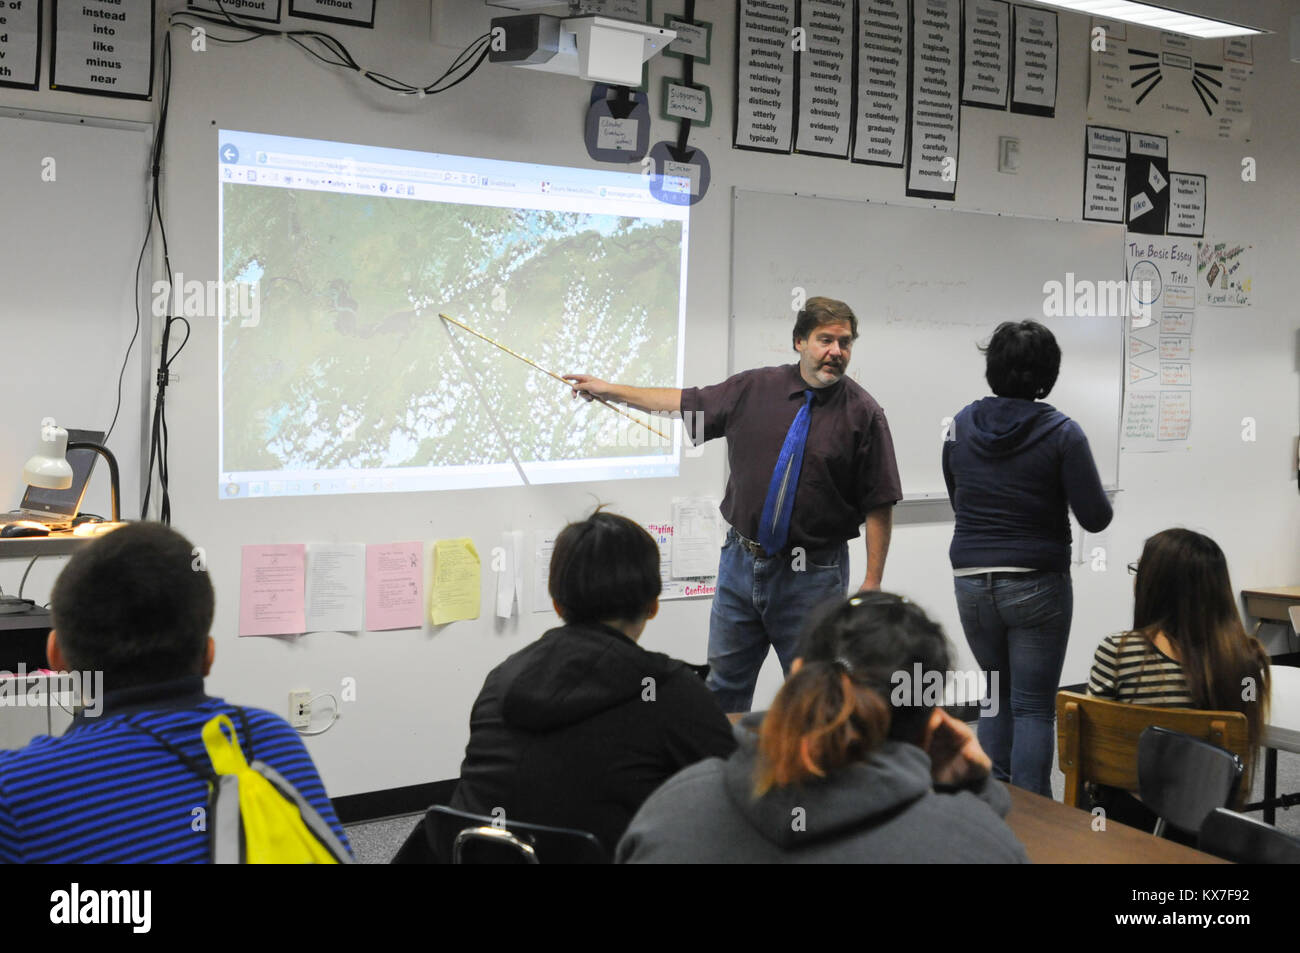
<point>1022,360</point>
<point>1183,590</point>
<point>136,605</point>
<point>604,568</point>
<point>843,703</point>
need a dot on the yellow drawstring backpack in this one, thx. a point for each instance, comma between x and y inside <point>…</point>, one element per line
<point>254,815</point>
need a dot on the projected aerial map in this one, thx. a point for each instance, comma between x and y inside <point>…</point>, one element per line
<point>348,366</point>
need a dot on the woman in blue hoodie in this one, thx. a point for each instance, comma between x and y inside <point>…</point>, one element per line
<point>1013,466</point>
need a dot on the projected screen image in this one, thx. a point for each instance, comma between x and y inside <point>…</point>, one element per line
<point>337,374</point>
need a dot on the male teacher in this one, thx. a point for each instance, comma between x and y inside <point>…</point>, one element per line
<point>811,459</point>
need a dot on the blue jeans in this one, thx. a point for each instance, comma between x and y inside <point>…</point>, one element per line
<point>762,601</point>
<point>1018,629</point>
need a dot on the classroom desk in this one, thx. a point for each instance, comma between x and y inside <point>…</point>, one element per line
<point>22,634</point>
<point>1274,605</point>
<point>1271,605</point>
<point>1056,834</point>
<point>56,544</point>
<point>1282,733</point>
<point>22,639</point>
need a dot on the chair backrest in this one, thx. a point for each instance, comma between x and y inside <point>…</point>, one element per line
<point>1245,840</point>
<point>490,838</point>
<point>1097,739</point>
<point>466,838</point>
<point>1183,778</point>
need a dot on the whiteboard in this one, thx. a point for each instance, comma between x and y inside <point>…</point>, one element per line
<point>927,286</point>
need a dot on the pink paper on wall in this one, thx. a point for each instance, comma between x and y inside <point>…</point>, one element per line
<point>394,586</point>
<point>272,590</point>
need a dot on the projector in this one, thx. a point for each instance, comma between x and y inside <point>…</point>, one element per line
<point>595,48</point>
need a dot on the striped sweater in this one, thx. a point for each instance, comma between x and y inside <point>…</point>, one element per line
<point>1131,669</point>
<point>104,792</point>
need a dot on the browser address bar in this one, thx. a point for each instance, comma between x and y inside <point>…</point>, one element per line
<point>406,172</point>
<point>311,163</point>
<point>352,167</point>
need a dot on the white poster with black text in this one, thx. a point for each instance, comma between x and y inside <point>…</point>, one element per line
<point>932,138</point>
<point>765,77</point>
<point>987,57</point>
<point>825,120</point>
<point>880,127</point>
<point>1034,61</point>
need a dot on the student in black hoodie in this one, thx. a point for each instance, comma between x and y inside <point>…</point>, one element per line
<point>1013,464</point>
<point>578,728</point>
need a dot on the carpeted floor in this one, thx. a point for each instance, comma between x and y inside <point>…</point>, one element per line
<point>376,842</point>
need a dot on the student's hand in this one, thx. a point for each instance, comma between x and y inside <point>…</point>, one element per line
<point>956,758</point>
<point>869,585</point>
<point>588,386</point>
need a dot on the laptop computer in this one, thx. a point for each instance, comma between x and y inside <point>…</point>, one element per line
<point>56,509</point>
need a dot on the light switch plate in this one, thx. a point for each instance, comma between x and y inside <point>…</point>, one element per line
<point>1008,155</point>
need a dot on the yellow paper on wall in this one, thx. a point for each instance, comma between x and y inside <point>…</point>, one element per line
<point>455,592</point>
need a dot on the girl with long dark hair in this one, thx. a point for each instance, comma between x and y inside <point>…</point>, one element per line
<point>1187,647</point>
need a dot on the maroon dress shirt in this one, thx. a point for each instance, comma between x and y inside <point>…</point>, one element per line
<point>848,465</point>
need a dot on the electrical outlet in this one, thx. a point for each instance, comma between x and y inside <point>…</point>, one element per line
<point>300,708</point>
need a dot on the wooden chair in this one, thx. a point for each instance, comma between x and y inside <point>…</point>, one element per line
<point>1097,740</point>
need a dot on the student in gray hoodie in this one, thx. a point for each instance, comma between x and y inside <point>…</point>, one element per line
<point>853,763</point>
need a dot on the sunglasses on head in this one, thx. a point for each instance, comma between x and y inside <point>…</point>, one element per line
<point>879,600</point>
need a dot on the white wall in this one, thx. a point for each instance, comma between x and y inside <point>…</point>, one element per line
<point>70,304</point>
<point>415,688</point>
<point>79,341</point>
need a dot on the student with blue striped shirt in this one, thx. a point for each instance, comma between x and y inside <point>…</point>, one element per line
<point>133,607</point>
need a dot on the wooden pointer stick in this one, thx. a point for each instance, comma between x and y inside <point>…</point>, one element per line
<point>534,364</point>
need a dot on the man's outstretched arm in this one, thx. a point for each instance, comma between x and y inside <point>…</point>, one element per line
<point>651,399</point>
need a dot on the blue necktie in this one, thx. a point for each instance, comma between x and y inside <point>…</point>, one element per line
<point>774,524</point>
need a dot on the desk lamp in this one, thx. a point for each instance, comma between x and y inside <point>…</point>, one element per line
<point>49,469</point>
